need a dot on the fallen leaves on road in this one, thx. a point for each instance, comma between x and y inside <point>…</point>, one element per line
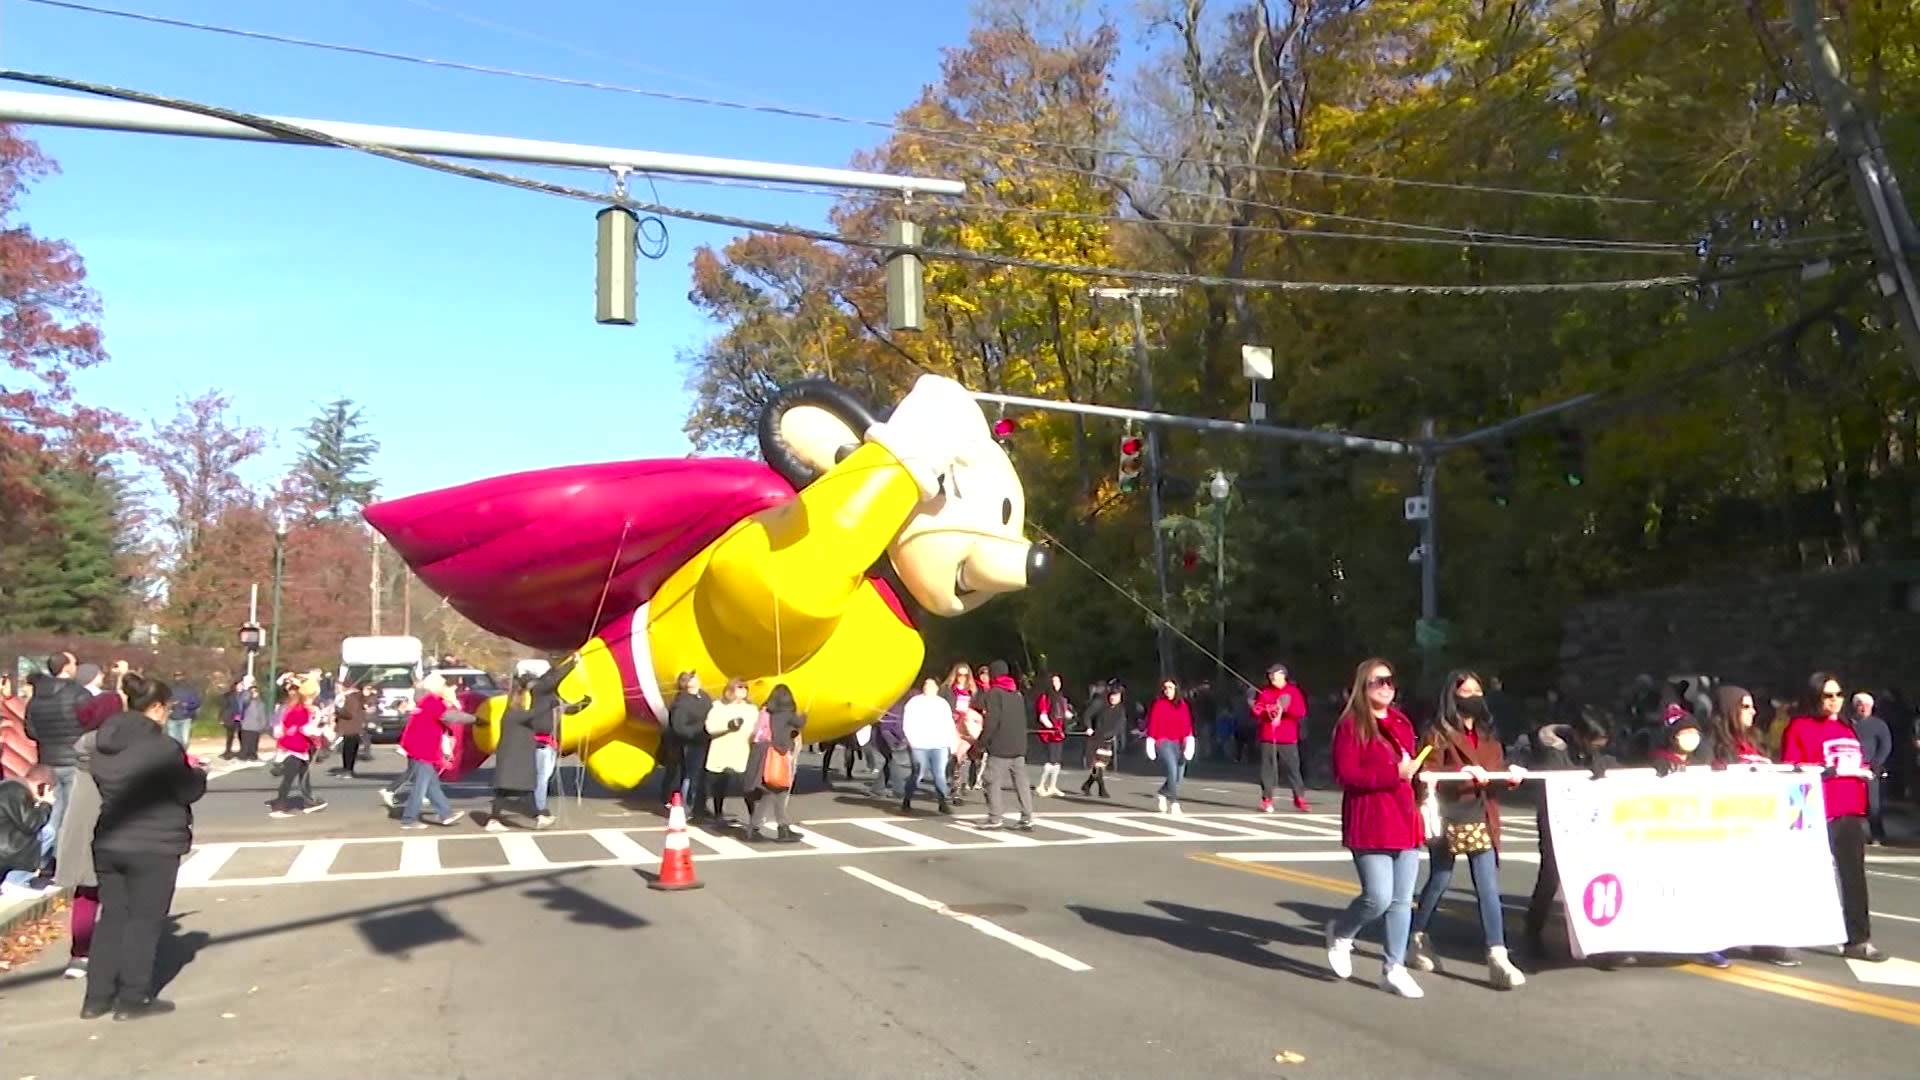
<point>25,941</point>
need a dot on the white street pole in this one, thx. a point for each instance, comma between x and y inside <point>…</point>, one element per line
<point>56,110</point>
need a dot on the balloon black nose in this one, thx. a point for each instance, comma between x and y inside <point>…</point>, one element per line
<point>1039,563</point>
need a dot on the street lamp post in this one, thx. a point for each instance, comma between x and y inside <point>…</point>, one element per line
<point>273,632</point>
<point>1220,487</point>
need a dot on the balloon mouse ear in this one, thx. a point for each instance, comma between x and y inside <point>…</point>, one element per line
<point>809,425</point>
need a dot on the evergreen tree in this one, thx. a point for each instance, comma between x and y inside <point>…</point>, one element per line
<point>330,475</point>
<point>70,565</point>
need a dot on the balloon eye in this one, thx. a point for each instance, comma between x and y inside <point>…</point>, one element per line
<point>1006,511</point>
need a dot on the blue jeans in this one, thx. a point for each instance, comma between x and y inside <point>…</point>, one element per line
<point>545,760</point>
<point>62,791</point>
<point>180,731</point>
<point>1386,888</point>
<point>931,762</point>
<point>425,787</point>
<point>1485,868</point>
<point>1172,765</point>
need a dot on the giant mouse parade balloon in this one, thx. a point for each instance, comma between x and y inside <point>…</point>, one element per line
<point>807,569</point>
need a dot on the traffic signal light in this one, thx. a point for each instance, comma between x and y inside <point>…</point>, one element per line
<point>1570,445</point>
<point>1003,430</point>
<point>1130,463</point>
<point>1498,461</point>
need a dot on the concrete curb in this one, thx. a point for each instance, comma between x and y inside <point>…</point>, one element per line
<point>15,916</point>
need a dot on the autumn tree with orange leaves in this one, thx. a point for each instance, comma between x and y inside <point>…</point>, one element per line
<point>1473,146</point>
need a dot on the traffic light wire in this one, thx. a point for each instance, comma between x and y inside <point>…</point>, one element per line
<point>1156,616</point>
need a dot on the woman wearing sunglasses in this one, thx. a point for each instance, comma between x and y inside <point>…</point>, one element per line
<point>1374,765</point>
<point>1826,739</point>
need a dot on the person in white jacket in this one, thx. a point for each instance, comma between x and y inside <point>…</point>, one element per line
<point>730,724</point>
<point>928,723</point>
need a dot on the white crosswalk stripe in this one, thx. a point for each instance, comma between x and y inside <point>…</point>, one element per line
<point>458,851</point>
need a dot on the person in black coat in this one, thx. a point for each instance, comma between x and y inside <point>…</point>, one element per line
<point>147,792</point>
<point>1582,744</point>
<point>1106,719</point>
<point>531,716</point>
<point>686,728</point>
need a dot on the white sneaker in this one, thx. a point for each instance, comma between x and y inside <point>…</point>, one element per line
<point>1173,808</point>
<point>495,825</point>
<point>1339,954</point>
<point>1500,970</point>
<point>392,800</point>
<point>452,819</point>
<point>1396,980</point>
<point>544,821</point>
<point>1161,800</point>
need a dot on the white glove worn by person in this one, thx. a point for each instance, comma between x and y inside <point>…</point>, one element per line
<point>1186,749</point>
<point>1149,749</point>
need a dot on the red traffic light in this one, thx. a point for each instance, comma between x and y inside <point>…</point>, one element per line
<point>1004,428</point>
<point>1130,445</point>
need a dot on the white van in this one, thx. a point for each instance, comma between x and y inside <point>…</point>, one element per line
<point>394,664</point>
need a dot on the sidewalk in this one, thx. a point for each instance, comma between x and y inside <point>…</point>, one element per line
<point>16,910</point>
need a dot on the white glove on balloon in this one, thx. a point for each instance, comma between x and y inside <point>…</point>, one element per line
<point>936,423</point>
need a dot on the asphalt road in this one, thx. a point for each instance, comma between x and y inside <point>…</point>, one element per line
<point>1096,948</point>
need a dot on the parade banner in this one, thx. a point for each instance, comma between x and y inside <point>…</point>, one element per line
<point>1698,861</point>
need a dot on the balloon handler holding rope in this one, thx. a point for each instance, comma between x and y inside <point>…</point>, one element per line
<point>799,570</point>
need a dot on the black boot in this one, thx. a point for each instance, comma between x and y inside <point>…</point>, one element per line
<point>787,836</point>
<point>946,807</point>
<point>906,805</point>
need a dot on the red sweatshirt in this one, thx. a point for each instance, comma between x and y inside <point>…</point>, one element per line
<point>293,731</point>
<point>1377,808</point>
<point>1170,720</point>
<point>1055,727</point>
<point>1831,744</point>
<point>1280,710</point>
<point>421,739</point>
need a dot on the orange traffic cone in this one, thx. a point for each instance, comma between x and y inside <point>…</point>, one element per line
<point>676,859</point>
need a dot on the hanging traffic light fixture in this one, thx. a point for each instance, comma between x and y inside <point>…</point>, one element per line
<point>1570,445</point>
<point>1498,460</point>
<point>1130,464</point>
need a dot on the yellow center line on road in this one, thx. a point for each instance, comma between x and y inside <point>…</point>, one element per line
<point>1767,980</point>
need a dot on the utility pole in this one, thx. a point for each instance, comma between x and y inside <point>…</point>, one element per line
<point>1163,646</point>
<point>406,602</point>
<point>1888,220</point>
<point>253,619</point>
<point>373,584</point>
<point>1429,532</point>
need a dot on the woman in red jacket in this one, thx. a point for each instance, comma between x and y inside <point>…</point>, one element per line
<point>1170,741</point>
<point>1379,822</point>
<point>1279,710</point>
<point>1826,739</point>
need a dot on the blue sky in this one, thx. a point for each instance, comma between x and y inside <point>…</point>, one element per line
<point>459,313</point>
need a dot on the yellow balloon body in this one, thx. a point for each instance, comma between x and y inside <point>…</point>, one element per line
<point>782,597</point>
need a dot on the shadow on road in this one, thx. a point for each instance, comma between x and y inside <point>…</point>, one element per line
<point>186,948</point>
<point>1213,933</point>
<point>176,951</point>
<point>583,908</point>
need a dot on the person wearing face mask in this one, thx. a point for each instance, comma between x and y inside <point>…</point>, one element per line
<point>1462,739</point>
<point>147,791</point>
<point>1170,741</point>
<point>1823,737</point>
<point>1374,764</point>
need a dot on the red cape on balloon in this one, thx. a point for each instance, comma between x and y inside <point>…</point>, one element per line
<point>547,557</point>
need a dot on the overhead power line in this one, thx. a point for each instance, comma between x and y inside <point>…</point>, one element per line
<point>1830,244</point>
<point>958,139</point>
<point>293,132</point>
